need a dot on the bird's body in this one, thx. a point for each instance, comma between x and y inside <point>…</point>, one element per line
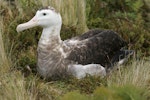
<point>81,55</point>
<point>97,47</point>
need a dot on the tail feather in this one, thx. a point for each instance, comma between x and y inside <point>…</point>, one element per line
<point>120,58</point>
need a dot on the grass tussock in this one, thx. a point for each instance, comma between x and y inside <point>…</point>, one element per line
<point>19,50</point>
<point>4,60</point>
<point>137,74</point>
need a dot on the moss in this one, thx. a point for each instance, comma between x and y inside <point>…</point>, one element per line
<point>108,93</point>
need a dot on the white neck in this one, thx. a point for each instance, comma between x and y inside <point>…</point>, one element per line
<point>51,33</point>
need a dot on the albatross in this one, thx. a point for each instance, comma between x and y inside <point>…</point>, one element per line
<point>90,53</point>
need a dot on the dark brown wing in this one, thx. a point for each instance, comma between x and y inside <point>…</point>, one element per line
<point>88,34</point>
<point>99,48</point>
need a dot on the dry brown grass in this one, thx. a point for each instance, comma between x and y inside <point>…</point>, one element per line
<point>136,74</point>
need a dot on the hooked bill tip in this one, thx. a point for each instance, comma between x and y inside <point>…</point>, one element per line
<point>18,29</point>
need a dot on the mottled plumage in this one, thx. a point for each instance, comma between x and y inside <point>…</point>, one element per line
<point>97,47</point>
<point>88,53</point>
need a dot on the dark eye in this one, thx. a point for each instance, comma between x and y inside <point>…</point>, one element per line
<point>44,14</point>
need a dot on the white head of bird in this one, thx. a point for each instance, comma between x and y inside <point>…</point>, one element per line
<point>45,18</point>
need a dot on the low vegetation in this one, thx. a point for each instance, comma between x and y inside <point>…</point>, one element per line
<point>18,78</point>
